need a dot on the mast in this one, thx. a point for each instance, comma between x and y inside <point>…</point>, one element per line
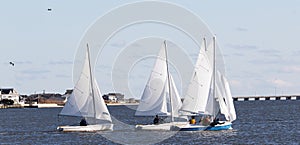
<point>214,75</point>
<point>204,41</point>
<point>168,75</point>
<point>91,79</point>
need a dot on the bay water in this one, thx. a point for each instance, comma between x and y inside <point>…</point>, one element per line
<point>258,122</point>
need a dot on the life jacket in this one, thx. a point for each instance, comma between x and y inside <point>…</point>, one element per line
<point>193,121</point>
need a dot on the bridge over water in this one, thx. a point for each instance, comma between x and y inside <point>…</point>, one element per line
<point>254,98</point>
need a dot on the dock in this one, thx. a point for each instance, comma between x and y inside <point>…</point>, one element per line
<point>263,98</point>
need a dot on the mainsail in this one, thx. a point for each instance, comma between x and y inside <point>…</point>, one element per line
<point>153,100</point>
<point>197,94</point>
<point>222,99</point>
<point>225,98</point>
<point>208,91</point>
<point>86,100</point>
<point>155,97</point>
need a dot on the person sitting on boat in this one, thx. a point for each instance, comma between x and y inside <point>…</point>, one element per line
<point>156,120</point>
<point>193,120</point>
<point>83,122</point>
<point>206,121</point>
<point>216,122</point>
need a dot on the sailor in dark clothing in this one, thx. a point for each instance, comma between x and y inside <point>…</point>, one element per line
<point>157,120</point>
<point>216,122</point>
<point>83,122</point>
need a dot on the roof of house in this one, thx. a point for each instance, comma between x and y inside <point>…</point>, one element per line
<point>69,91</point>
<point>6,91</point>
<point>115,94</point>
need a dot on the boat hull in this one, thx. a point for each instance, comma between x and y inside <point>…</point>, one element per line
<point>163,126</point>
<point>190,127</point>
<point>225,126</point>
<point>88,128</point>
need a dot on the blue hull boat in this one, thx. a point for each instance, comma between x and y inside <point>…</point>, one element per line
<point>225,126</point>
<point>191,127</point>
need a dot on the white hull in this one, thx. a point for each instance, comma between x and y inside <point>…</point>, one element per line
<point>88,128</point>
<point>163,126</point>
<point>190,127</point>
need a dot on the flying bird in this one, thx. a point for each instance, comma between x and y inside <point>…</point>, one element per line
<point>49,9</point>
<point>11,63</point>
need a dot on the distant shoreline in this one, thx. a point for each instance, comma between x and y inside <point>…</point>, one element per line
<point>55,105</point>
<point>120,104</point>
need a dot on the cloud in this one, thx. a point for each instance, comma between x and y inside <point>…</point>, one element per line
<point>270,52</point>
<point>280,83</point>
<point>23,62</point>
<point>103,68</point>
<point>238,54</point>
<point>29,77</point>
<point>62,76</point>
<point>291,69</point>
<point>18,62</point>
<point>60,62</point>
<point>241,29</point>
<point>264,61</point>
<point>31,74</point>
<point>267,56</point>
<point>238,46</point>
<point>118,44</point>
<point>29,71</point>
<point>235,83</point>
<point>136,45</point>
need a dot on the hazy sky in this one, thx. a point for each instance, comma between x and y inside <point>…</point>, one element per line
<point>259,40</point>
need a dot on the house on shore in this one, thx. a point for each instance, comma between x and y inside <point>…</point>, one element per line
<point>10,94</point>
<point>67,94</point>
<point>113,98</point>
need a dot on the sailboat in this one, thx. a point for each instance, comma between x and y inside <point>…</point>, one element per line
<point>86,102</point>
<point>159,91</point>
<point>208,94</point>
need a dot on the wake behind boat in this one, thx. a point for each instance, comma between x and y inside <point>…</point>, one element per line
<point>86,102</point>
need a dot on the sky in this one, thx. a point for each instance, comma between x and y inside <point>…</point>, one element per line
<point>258,39</point>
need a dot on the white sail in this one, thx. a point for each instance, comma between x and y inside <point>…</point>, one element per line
<point>156,98</point>
<point>153,100</point>
<point>229,100</point>
<point>209,92</point>
<point>176,100</point>
<point>198,90</point>
<point>85,100</point>
<point>100,106</point>
<point>221,94</point>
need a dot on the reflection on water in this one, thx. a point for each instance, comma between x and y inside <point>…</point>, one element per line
<point>258,122</point>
